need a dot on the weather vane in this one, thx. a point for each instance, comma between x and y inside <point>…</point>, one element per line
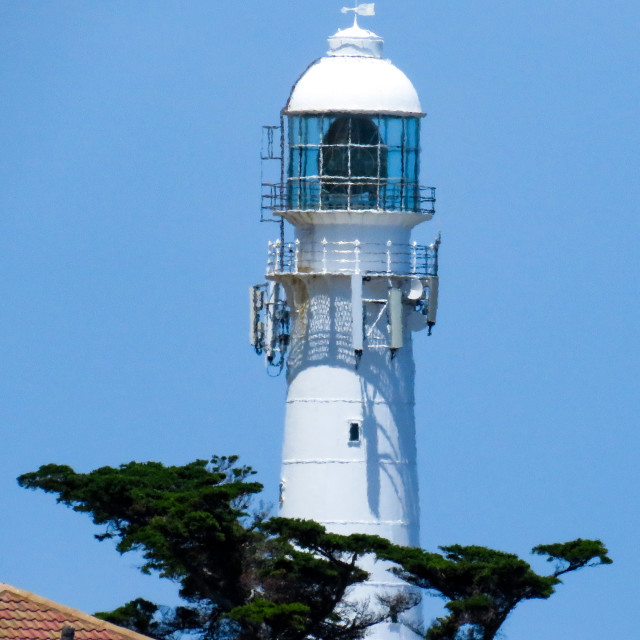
<point>364,9</point>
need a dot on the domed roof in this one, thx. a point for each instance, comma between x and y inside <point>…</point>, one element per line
<point>354,78</point>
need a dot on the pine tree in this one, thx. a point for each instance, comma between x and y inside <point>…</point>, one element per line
<point>245,577</point>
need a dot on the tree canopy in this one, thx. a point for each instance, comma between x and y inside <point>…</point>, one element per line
<point>244,576</point>
<point>483,586</point>
<point>240,575</point>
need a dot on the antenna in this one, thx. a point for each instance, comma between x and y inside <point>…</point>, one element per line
<point>416,289</point>
<point>364,9</point>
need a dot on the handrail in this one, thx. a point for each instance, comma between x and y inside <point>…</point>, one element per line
<point>342,194</point>
<point>352,257</point>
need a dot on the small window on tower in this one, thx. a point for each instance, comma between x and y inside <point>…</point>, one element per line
<point>354,432</point>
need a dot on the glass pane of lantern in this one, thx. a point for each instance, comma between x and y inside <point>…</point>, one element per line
<point>313,131</point>
<point>294,161</point>
<point>412,133</point>
<point>364,162</point>
<point>410,166</point>
<point>294,130</point>
<point>393,131</point>
<point>335,161</point>
<point>326,122</point>
<point>352,162</point>
<point>293,194</point>
<point>309,194</point>
<point>310,161</point>
<point>394,163</point>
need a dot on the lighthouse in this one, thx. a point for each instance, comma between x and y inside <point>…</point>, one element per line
<point>346,289</point>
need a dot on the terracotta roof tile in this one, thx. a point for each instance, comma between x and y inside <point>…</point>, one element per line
<point>26,616</point>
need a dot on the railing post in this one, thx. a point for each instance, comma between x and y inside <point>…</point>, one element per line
<point>414,257</point>
<point>389,243</point>
<point>324,255</point>
<point>296,256</point>
<point>278,256</point>
<point>357,253</point>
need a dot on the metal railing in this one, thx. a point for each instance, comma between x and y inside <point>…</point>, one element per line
<point>352,258</point>
<point>335,194</point>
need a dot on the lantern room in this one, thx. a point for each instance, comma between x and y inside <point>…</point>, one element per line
<point>353,133</point>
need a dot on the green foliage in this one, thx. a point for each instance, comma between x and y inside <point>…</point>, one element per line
<point>247,578</point>
<point>315,567</point>
<point>137,615</point>
<point>573,555</point>
<point>241,577</point>
<point>186,521</point>
<point>277,616</point>
<point>482,585</point>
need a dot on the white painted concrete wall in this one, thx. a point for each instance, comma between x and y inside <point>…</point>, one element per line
<point>366,487</point>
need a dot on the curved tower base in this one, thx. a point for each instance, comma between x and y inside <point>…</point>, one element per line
<point>349,454</point>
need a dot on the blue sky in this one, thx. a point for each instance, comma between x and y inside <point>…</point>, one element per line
<point>129,234</point>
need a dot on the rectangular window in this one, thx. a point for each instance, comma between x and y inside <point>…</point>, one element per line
<point>355,427</point>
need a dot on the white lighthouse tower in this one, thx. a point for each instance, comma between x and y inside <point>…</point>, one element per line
<point>345,293</point>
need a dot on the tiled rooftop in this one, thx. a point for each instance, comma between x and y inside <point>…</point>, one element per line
<point>26,616</point>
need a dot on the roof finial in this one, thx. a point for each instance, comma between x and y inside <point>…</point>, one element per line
<point>364,9</point>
